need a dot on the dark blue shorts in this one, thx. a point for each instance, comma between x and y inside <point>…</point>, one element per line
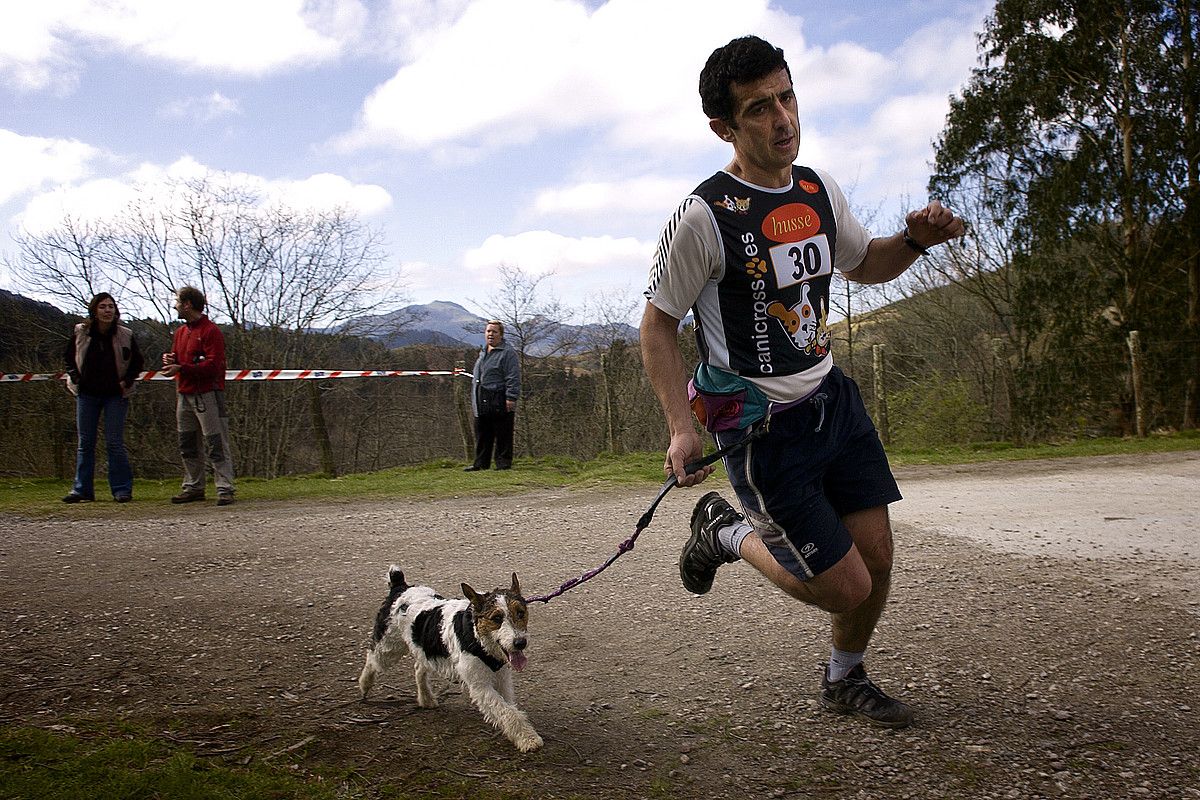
<point>819,461</point>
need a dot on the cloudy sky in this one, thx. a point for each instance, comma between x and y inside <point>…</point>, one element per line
<point>553,135</point>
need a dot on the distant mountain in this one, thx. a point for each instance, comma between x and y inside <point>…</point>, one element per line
<point>449,324</point>
<point>440,323</point>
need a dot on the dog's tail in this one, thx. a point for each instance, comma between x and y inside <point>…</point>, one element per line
<point>396,587</point>
<point>396,579</point>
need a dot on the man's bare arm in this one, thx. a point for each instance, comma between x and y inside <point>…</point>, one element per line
<point>664,365</point>
<point>889,256</point>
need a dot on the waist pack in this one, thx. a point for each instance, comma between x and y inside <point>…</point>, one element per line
<point>723,401</point>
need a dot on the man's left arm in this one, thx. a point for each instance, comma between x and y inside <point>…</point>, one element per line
<point>512,379</point>
<point>889,256</point>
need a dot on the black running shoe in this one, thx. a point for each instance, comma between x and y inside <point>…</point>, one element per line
<point>856,694</point>
<point>702,553</point>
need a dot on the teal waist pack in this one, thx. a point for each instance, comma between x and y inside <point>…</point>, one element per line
<point>723,401</point>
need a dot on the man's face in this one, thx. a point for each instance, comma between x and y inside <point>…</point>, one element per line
<point>492,335</point>
<point>766,128</point>
<point>180,307</point>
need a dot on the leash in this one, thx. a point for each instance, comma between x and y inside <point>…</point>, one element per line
<point>644,522</point>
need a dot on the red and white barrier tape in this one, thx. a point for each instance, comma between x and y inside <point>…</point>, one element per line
<point>255,374</point>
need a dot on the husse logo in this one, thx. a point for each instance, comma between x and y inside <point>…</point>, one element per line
<point>791,223</point>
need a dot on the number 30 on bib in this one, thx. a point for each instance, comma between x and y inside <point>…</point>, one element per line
<point>796,262</point>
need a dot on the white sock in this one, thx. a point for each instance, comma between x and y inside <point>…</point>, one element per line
<point>732,536</point>
<point>841,662</point>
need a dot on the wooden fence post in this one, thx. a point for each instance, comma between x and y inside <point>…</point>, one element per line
<point>881,409</point>
<point>321,430</point>
<point>462,405</point>
<point>1135,367</point>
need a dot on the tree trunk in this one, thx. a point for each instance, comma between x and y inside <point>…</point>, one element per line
<point>1135,371</point>
<point>1191,214</point>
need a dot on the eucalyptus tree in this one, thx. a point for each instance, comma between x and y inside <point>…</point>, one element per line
<point>1077,134</point>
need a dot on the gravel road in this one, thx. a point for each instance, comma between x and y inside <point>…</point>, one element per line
<point>1044,624</point>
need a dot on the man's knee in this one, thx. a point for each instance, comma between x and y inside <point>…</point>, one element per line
<point>844,586</point>
<point>216,448</point>
<point>871,532</point>
<point>846,598</point>
<point>189,444</point>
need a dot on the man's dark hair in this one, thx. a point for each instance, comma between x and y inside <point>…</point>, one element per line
<point>94,306</point>
<point>194,297</point>
<point>741,61</point>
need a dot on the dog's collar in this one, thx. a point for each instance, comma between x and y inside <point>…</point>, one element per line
<point>464,628</point>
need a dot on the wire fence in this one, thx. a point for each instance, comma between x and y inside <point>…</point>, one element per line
<point>991,395</point>
<point>345,425</point>
<point>578,410</point>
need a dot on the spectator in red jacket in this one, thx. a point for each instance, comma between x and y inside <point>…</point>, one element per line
<point>197,362</point>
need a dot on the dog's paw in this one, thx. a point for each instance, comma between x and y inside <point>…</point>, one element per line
<point>527,744</point>
<point>427,702</point>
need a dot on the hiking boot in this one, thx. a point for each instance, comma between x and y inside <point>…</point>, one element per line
<point>188,496</point>
<point>122,498</point>
<point>74,497</point>
<point>702,554</point>
<point>224,498</point>
<point>856,694</point>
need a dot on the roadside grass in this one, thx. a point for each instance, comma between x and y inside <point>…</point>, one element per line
<point>1006,451</point>
<point>120,762</point>
<point>445,478</point>
<point>431,480</point>
<point>89,761</point>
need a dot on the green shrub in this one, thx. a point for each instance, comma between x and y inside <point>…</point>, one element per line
<point>936,413</point>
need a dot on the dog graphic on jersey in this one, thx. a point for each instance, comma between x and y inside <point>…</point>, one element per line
<point>803,324</point>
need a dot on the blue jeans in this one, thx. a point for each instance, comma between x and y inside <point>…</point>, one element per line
<point>88,409</point>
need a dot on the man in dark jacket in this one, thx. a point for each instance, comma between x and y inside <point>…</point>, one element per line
<point>495,387</point>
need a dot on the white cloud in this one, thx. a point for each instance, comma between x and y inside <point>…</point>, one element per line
<point>31,53</point>
<point>604,199</point>
<point>577,267</point>
<point>542,252</point>
<point>493,77</point>
<point>329,191</point>
<point>29,163</point>
<point>153,184</point>
<point>37,39</point>
<point>941,55</point>
<point>202,109</point>
<point>842,75</point>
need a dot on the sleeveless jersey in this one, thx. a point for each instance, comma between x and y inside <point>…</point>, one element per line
<point>766,316</point>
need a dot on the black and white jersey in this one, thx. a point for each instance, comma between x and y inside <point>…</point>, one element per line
<point>754,264</point>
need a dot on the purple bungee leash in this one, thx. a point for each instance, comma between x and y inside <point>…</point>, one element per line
<point>644,522</point>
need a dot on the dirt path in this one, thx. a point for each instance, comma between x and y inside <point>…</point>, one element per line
<point>1044,624</point>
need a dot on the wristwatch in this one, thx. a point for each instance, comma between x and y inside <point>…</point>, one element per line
<point>914,244</point>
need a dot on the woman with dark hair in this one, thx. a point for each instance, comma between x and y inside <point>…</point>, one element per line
<point>103,364</point>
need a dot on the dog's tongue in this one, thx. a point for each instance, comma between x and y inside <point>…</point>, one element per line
<point>517,660</point>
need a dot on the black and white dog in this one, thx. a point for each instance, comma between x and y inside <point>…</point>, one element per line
<point>479,641</point>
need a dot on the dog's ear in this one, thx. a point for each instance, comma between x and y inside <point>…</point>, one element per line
<point>516,586</point>
<point>470,594</point>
